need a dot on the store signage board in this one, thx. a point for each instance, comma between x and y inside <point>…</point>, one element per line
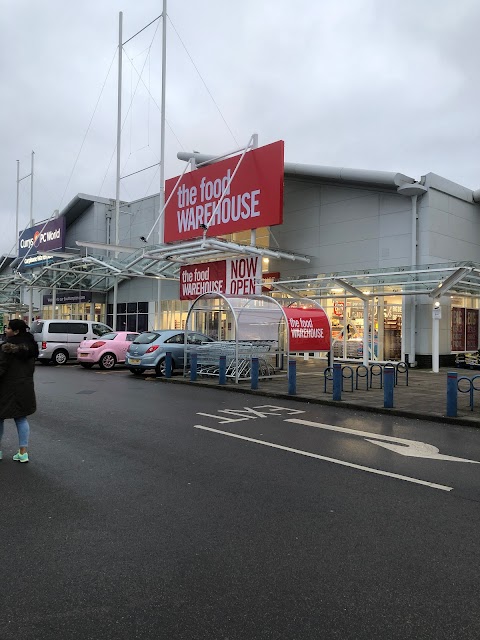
<point>236,277</point>
<point>309,329</point>
<point>43,238</point>
<point>253,199</point>
<point>68,297</point>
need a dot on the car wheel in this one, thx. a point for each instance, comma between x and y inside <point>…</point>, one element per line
<point>136,372</point>
<point>161,367</point>
<point>107,361</point>
<point>86,365</point>
<point>60,357</point>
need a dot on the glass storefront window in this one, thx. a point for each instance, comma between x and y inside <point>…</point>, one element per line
<point>384,328</point>
<point>130,316</point>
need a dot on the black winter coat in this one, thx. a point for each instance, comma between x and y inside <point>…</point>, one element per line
<point>17,365</point>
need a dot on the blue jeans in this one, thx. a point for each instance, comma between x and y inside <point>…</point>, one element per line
<point>23,429</point>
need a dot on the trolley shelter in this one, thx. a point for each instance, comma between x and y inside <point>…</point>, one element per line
<point>253,326</point>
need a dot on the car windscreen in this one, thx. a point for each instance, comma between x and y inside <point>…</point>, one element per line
<point>36,327</point>
<point>146,338</point>
<point>109,336</point>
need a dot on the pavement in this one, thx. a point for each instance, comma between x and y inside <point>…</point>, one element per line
<point>424,398</point>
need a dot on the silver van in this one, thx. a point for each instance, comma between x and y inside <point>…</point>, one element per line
<point>58,340</point>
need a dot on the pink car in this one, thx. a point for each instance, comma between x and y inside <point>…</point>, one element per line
<point>106,351</point>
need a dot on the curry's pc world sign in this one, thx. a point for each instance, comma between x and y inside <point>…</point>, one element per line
<point>252,197</point>
<point>43,238</point>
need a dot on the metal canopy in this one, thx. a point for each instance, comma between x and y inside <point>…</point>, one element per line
<point>100,266</point>
<point>456,278</point>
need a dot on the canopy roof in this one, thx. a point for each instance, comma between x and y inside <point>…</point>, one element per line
<point>98,267</point>
<point>434,280</point>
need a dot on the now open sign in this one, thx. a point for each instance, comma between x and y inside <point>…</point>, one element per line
<point>236,277</point>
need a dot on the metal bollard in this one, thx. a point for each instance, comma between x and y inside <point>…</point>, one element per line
<point>292,377</point>
<point>222,370</point>
<point>193,367</point>
<point>255,368</point>
<point>452,380</point>
<point>337,381</point>
<point>388,384</point>
<point>168,365</point>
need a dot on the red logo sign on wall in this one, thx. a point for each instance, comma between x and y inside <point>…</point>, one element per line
<point>253,199</point>
<point>309,329</point>
<point>235,278</point>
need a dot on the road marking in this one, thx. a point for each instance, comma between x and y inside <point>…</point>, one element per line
<point>249,413</point>
<point>410,448</point>
<point>378,472</point>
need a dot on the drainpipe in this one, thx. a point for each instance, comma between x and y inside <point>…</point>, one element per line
<point>413,300</point>
<point>413,190</point>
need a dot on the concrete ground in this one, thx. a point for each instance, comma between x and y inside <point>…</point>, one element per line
<point>425,397</point>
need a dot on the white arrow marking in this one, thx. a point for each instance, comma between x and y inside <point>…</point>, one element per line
<point>397,476</point>
<point>410,448</point>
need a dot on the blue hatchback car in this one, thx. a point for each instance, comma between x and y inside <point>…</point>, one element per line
<point>149,349</point>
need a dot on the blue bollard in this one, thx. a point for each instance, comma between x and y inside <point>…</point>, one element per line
<point>222,370</point>
<point>255,368</point>
<point>292,377</point>
<point>168,365</point>
<point>452,380</point>
<point>193,367</point>
<point>337,381</point>
<point>388,384</point>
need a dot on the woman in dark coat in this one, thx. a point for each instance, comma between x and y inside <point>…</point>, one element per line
<point>17,393</point>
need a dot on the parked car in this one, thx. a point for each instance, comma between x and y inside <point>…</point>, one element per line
<point>149,350</point>
<point>58,340</point>
<point>106,351</point>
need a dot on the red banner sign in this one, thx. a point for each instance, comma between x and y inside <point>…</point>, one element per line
<point>235,278</point>
<point>253,198</point>
<point>309,329</point>
<point>458,329</point>
<point>471,330</point>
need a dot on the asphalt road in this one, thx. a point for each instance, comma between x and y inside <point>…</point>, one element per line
<point>160,511</point>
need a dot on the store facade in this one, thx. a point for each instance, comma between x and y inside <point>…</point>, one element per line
<point>379,247</point>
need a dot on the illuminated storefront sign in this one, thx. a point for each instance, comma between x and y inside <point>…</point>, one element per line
<point>309,329</point>
<point>40,239</point>
<point>234,277</point>
<point>253,197</point>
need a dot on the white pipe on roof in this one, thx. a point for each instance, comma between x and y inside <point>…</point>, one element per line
<point>337,174</point>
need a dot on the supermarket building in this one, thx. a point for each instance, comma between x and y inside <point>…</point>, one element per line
<point>393,260</point>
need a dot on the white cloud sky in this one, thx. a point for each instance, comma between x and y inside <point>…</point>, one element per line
<point>356,83</point>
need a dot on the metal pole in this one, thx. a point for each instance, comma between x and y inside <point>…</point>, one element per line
<point>30,307</point>
<point>16,208</point>
<point>435,339</point>
<point>161,200</point>
<point>365,333</point>
<point>452,385</point>
<point>119,129</point>
<point>30,302</point>
<point>115,297</point>
<point>54,302</point>
<point>31,191</point>
<point>162,122</point>
<point>388,385</point>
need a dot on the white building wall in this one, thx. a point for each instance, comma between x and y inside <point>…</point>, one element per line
<point>449,224</point>
<point>342,228</point>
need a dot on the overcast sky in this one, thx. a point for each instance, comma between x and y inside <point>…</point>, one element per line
<point>371,84</point>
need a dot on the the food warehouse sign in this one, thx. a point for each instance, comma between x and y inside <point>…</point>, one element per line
<point>225,200</point>
<point>234,277</point>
